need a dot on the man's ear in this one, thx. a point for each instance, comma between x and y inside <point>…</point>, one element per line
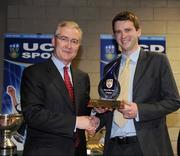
<point>139,32</point>
<point>53,41</point>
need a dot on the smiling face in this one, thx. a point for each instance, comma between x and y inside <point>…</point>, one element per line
<point>66,43</point>
<point>127,36</point>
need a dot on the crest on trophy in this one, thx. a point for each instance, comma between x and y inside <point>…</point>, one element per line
<point>109,83</point>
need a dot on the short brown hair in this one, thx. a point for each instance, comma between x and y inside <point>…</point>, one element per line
<point>126,15</point>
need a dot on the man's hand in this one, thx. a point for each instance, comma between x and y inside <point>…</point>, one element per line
<point>130,109</point>
<point>95,120</point>
<point>89,123</point>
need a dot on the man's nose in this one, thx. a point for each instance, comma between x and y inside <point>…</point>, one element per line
<point>123,35</point>
<point>69,44</point>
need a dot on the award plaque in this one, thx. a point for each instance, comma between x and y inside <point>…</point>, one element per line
<point>108,89</point>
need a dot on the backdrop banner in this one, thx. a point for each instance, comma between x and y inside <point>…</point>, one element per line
<point>109,48</point>
<point>20,51</point>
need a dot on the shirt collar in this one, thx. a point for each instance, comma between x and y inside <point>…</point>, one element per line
<point>133,57</point>
<point>59,64</point>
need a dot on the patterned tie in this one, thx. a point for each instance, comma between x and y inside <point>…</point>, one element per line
<point>68,83</point>
<point>124,79</point>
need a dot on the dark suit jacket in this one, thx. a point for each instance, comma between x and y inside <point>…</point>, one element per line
<point>48,111</point>
<point>156,95</point>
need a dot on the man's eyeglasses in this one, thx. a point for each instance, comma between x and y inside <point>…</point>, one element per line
<point>65,39</point>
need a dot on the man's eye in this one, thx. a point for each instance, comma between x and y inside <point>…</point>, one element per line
<point>128,30</point>
<point>118,32</point>
<point>75,41</point>
<point>64,38</point>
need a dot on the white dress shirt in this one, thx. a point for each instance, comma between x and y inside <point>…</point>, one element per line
<point>129,128</point>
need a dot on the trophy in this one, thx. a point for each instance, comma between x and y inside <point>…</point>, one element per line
<point>109,89</point>
<point>9,124</point>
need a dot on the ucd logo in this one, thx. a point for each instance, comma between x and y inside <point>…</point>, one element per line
<point>14,50</point>
<point>110,52</point>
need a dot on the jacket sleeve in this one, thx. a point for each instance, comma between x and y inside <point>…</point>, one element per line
<point>164,97</point>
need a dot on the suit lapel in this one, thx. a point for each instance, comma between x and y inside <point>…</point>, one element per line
<point>58,82</point>
<point>140,69</point>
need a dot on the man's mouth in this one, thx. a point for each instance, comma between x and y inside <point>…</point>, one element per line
<point>66,51</point>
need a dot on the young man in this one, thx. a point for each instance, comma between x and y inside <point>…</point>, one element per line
<point>54,99</point>
<point>151,95</point>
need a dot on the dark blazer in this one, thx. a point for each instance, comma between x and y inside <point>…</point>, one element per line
<point>156,95</point>
<point>48,111</point>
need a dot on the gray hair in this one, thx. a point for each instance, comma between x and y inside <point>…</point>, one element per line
<point>69,24</point>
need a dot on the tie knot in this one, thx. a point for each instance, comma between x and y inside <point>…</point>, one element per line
<point>127,60</point>
<point>66,68</point>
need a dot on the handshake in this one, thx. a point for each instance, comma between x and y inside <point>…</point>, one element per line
<point>88,123</point>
